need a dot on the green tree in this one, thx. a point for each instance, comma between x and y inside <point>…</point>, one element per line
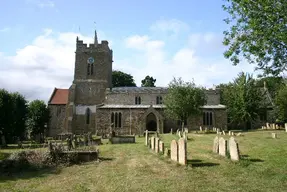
<point>121,79</point>
<point>258,33</point>
<point>148,81</point>
<point>281,103</point>
<point>183,100</point>
<point>244,100</point>
<point>5,115</point>
<point>38,118</point>
<point>273,84</point>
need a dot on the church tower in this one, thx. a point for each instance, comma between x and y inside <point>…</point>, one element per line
<point>92,76</point>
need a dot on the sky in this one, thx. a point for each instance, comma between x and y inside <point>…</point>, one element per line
<point>163,39</point>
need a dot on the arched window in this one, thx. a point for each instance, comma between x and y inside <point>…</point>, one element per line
<point>207,118</point>
<point>88,114</point>
<point>116,119</point>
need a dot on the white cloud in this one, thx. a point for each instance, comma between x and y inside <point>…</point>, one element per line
<point>5,29</point>
<point>48,62</point>
<point>173,26</point>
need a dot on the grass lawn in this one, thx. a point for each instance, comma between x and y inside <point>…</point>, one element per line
<point>132,167</point>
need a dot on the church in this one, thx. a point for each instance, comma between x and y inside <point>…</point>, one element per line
<point>91,104</point>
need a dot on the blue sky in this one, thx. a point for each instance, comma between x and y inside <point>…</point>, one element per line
<point>159,38</point>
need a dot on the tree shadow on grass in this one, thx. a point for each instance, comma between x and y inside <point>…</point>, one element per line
<point>247,157</point>
<point>199,163</point>
<point>29,173</point>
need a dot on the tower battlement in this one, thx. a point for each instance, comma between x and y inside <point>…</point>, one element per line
<point>81,46</point>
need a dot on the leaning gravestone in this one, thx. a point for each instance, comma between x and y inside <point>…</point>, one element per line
<point>222,147</point>
<point>146,137</point>
<point>152,143</point>
<point>174,150</point>
<point>161,147</point>
<point>215,148</point>
<point>156,145</point>
<point>182,153</point>
<point>233,149</point>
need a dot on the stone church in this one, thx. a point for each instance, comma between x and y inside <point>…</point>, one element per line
<point>91,104</point>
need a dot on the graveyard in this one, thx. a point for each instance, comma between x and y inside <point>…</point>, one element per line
<point>136,167</point>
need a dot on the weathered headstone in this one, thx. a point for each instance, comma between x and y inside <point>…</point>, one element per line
<point>286,127</point>
<point>274,135</point>
<point>223,132</point>
<point>179,134</point>
<point>171,131</point>
<point>222,147</point>
<point>229,132</point>
<point>186,130</point>
<point>217,131</point>
<point>182,152</point>
<point>215,148</point>
<point>161,146</point>
<point>152,142</point>
<point>233,149</point>
<point>146,137</point>
<point>267,126</point>
<point>200,128</point>
<point>174,150</point>
<point>156,145</point>
<point>167,152</point>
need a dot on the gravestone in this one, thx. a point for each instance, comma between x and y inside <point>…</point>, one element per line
<point>174,150</point>
<point>186,130</point>
<point>286,127</point>
<point>171,131</point>
<point>229,132</point>
<point>223,132</point>
<point>149,143</point>
<point>156,145</point>
<point>200,128</point>
<point>274,135</point>
<point>267,126</point>
<point>167,152</point>
<point>215,148</point>
<point>179,134</point>
<point>182,153</point>
<point>222,147</point>
<point>146,137</point>
<point>233,149</point>
<point>217,131</point>
<point>152,142</point>
<point>161,146</point>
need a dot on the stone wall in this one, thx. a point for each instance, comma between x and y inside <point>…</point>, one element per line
<point>56,122</point>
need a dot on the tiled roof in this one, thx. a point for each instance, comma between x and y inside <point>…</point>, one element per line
<point>59,97</point>
<point>139,90</point>
<point>110,106</point>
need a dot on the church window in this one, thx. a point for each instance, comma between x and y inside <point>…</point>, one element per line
<point>92,69</point>
<point>88,70</point>
<point>207,118</point>
<point>88,115</point>
<point>158,100</point>
<point>116,119</point>
<point>138,100</point>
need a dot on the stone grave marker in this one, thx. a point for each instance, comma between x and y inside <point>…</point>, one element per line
<point>222,146</point>
<point>274,135</point>
<point>286,127</point>
<point>174,150</point>
<point>233,149</point>
<point>215,148</point>
<point>149,143</point>
<point>229,132</point>
<point>157,145</point>
<point>223,132</point>
<point>182,152</point>
<point>167,152</point>
<point>171,131</point>
<point>200,128</point>
<point>161,146</point>
<point>152,142</point>
<point>146,137</point>
<point>186,130</point>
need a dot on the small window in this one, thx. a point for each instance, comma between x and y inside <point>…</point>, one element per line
<point>158,100</point>
<point>207,118</point>
<point>88,114</point>
<point>116,119</point>
<point>137,100</point>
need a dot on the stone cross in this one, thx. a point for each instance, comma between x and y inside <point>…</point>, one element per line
<point>215,148</point>
<point>222,147</point>
<point>182,152</point>
<point>174,150</point>
<point>233,149</point>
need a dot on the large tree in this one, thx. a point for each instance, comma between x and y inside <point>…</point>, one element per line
<point>183,100</point>
<point>258,33</point>
<point>281,103</point>
<point>244,100</point>
<point>121,79</point>
<point>148,81</point>
<point>38,118</point>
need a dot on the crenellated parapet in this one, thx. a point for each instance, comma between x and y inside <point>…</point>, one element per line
<point>84,47</point>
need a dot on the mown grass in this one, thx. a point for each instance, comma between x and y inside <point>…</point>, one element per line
<point>132,167</point>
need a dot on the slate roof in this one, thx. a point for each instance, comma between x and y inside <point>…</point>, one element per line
<point>59,97</point>
<point>114,106</point>
<point>139,90</point>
